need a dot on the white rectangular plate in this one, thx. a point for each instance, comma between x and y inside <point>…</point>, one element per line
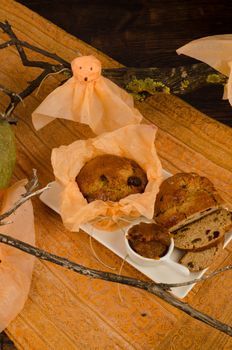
<point>115,242</point>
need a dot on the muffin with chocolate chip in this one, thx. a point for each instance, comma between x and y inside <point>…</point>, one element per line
<point>110,178</point>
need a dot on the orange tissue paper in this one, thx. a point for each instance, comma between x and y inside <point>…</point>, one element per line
<point>16,266</point>
<point>134,142</point>
<point>216,51</point>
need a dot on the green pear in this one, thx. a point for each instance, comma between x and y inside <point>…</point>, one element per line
<point>7,154</point>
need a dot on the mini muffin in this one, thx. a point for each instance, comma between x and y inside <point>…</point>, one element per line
<point>110,178</point>
<point>149,240</point>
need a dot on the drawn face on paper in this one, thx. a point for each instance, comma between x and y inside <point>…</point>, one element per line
<point>86,68</point>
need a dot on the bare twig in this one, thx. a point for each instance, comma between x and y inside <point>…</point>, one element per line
<point>178,80</point>
<point>151,287</point>
<point>13,98</point>
<point>32,184</point>
<point>8,92</point>
<point>30,192</point>
<point>6,27</point>
<point>141,82</point>
<point>196,280</point>
<point>47,68</point>
<point>158,289</point>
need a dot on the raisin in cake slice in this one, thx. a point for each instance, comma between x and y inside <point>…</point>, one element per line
<point>204,232</point>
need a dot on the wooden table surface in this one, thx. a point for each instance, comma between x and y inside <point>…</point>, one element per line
<point>68,311</point>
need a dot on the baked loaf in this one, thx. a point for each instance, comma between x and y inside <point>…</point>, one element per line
<point>204,232</point>
<point>190,207</point>
<point>149,240</point>
<point>111,178</point>
<point>183,198</point>
<point>199,260</point>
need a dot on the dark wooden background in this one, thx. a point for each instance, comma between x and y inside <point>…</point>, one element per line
<point>144,33</point>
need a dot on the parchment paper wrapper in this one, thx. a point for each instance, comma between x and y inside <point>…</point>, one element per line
<point>88,98</point>
<point>216,51</point>
<point>16,266</point>
<point>134,142</point>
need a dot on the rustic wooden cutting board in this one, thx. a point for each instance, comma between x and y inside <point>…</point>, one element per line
<point>67,311</point>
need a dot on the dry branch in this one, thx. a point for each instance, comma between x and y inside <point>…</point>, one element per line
<point>157,289</point>
<point>196,280</point>
<point>141,82</point>
<point>30,193</point>
<point>47,68</point>
<point>161,290</point>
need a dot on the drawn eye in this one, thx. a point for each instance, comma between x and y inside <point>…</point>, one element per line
<point>80,67</point>
<point>91,68</point>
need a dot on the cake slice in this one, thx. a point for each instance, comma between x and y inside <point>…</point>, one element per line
<point>204,232</point>
<point>184,198</point>
<point>199,260</point>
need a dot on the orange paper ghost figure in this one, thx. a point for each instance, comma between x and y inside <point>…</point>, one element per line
<point>88,98</point>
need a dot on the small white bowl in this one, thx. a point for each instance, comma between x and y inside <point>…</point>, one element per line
<point>142,261</point>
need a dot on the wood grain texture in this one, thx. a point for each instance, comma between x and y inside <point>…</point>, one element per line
<point>67,311</point>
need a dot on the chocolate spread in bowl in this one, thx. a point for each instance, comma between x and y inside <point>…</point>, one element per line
<point>149,240</point>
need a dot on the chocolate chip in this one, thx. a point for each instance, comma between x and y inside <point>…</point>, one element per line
<point>190,264</point>
<point>207,232</point>
<point>89,198</point>
<point>103,178</point>
<point>216,234</point>
<point>134,181</point>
